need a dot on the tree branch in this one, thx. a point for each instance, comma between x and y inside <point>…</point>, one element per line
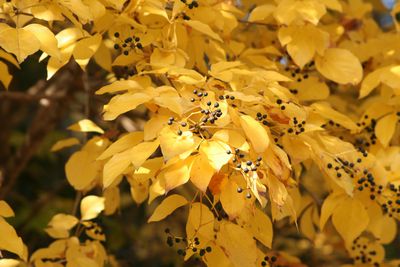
<point>51,109</point>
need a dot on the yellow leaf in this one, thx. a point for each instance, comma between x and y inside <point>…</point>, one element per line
<point>216,257</point>
<point>10,263</point>
<point>289,11</point>
<point>123,143</point>
<point>5,76</point>
<point>222,70</point>
<point>122,103</point>
<point>139,191</point>
<point>340,65</point>
<point>63,221</point>
<point>77,258</point>
<point>103,57</point>
<point>81,169</point>
<point>85,125</point>
<point>60,225</point>
<point>261,12</point>
<point>232,138</point>
<point>64,143</point>
<point>350,219</point>
<point>8,57</point>
<point>48,42</point>
<point>238,245</point>
<point>115,167</point>
<point>232,201</point>
<point>86,48</point>
<point>118,86</point>
<point>19,42</point>
<point>9,240</point>
<point>91,206</point>
<point>201,172</point>
<point>255,132</point>
<point>167,206</point>
<point>216,152</point>
<point>176,174</point>
<point>143,151</point>
<point>200,222</point>
<point>261,227</point>
<point>78,8</point>
<point>302,42</point>
<point>173,144</point>
<point>203,28</point>
<point>383,228</point>
<point>147,170</point>
<point>306,224</point>
<point>388,75</point>
<point>333,4</point>
<point>329,206</point>
<point>186,76</point>
<point>277,190</point>
<point>329,113</point>
<point>112,200</point>
<point>169,98</point>
<point>311,89</point>
<point>5,209</point>
<point>385,128</point>
<point>154,125</point>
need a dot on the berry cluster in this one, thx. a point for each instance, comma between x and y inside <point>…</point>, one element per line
<point>128,44</point>
<point>362,253</point>
<point>263,118</point>
<point>269,261</point>
<point>192,244</point>
<point>391,206</point>
<point>190,5</point>
<point>298,127</point>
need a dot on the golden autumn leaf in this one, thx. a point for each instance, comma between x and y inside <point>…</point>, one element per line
<point>303,42</point>
<point>261,12</point>
<point>200,222</point>
<point>5,209</point>
<point>239,247</point>
<point>64,143</point>
<point>350,219</point>
<point>216,152</point>
<point>123,143</point>
<point>175,175</point>
<point>173,144</point>
<point>115,167</point>
<point>19,42</point>
<point>91,206</point>
<point>245,112</point>
<point>122,103</point>
<point>201,173</point>
<point>85,125</point>
<point>60,225</point>
<point>261,227</point>
<point>9,240</point>
<point>9,263</point>
<point>329,206</point>
<point>340,65</point>
<point>203,28</point>
<point>232,201</point>
<point>5,77</point>
<point>48,42</point>
<point>167,206</point>
<point>256,134</point>
<point>385,128</point>
<point>81,169</point>
<point>289,11</point>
